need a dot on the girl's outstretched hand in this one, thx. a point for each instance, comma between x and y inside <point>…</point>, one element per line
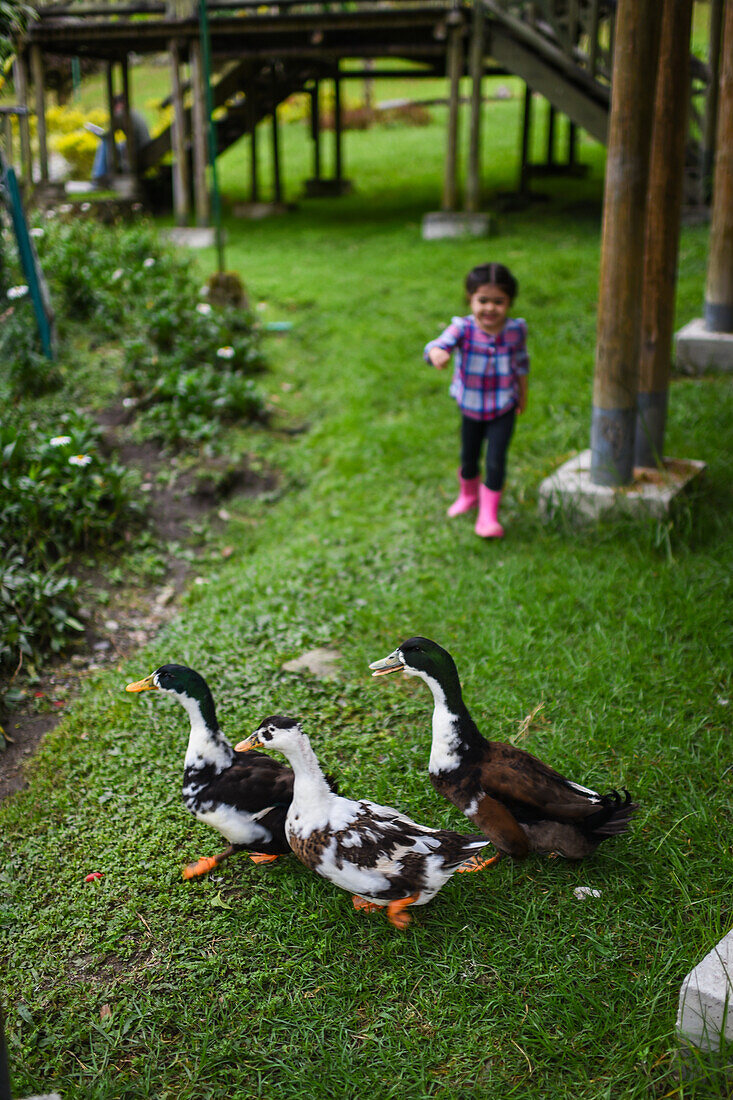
<point>439,357</point>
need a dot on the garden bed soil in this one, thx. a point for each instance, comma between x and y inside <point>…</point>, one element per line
<point>132,615</point>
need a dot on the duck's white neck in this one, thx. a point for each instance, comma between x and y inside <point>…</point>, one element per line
<point>205,745</point>
<point>444,755</point>
<point>312,795</point>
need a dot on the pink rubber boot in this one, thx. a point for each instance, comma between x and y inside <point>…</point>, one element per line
<point>467,497</point>
<point>487,524</point>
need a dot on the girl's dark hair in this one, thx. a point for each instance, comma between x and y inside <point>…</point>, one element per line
<point>492,275</point>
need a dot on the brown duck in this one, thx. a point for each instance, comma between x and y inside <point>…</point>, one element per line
<point>521,804</point>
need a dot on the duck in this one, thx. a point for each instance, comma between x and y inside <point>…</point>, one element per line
<point>245,798</point>
<point>381,856</point>
<point>520,803</point>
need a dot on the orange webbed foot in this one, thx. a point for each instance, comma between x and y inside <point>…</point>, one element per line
<point>396,911</point>
<point>362,903</point>
<point>260,857</point>
<point>477,863</point>
<point>200,867</point>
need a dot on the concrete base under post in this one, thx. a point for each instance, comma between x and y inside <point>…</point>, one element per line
<point>705,1013</point>
<point>453,223</point>
<point>200,236</point>
<point>327,189</point>
<point>698,350</point>
<point>651,492</point>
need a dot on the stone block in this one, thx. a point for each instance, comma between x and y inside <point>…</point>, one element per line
<point>705,1014</point>
<point>698,350</point>
<point>570,489</point>
<point>449,223</point>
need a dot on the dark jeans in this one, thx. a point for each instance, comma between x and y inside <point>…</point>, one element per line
<point>497,433</point>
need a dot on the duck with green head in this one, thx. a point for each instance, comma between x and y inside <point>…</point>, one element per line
<point>520,803</point>
<point>245,797</point>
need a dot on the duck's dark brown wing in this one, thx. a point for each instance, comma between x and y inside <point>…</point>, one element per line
<point>252,783</point>
<point>529,788</point>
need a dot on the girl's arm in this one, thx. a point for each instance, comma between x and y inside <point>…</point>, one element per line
<point>523,389</point>
<point>439,357</point>
<point>438,352</point>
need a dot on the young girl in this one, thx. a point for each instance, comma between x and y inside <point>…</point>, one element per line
<point>489,384</point>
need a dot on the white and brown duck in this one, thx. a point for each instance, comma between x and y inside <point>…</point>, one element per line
<point>383,858</point>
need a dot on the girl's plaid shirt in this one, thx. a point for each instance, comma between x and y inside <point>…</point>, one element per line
<point>487,368</point>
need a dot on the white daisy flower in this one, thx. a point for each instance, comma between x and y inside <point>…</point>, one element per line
<point>36,231</point>
<point>80,460</point>
<point>60,440</point>
<point>85,206</point>
<point>17,291</point>
<point>204,308</point>
<point>117,274</point>
<point>149,261</point>
<point>225,353</point>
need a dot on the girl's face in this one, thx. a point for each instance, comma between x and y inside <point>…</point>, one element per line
<point>490,307</point>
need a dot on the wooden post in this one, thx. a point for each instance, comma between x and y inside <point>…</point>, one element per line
<point>40,99</point>
<point>454,64</point>
<point>252,126</point>
<point>316,129</point>
<point>719,287</point>
<point>664,207</point>
<point>572,154</point>
<point>112,158</point>
<point>198,135</point>
<point>476,72</point>
<point>711,99</point>
<point>276,178</point>
<point>524,148</point>
<point>181,184</point>
<point>337,132</point>
<point>622,242</point>
<point>551,115</point>
<point>130,143</point>
<point>20,75</point>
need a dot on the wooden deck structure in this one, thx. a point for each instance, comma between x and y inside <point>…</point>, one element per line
<point>264,53</point>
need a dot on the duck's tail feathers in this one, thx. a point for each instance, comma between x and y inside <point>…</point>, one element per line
<point>470,845</point>
<point>614,817</point>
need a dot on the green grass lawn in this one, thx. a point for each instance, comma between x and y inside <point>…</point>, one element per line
<point>264,981</point>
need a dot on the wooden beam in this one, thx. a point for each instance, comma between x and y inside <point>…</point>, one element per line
<point>181,183</point>
<point>337,130</point>
<point>252,126</point>
<point>711,98</point>
<point>622,243</point>
<point>20,76</point>
<point>198,136</point>
<point>524,142</point>
<point>130,143</point>
<point>112,157</point>
<point>316,129</point>
<point>719,287</point>
<point>39,93</point>
<point>454,65</point>
<point>476,72</point>
<point>664,208</point>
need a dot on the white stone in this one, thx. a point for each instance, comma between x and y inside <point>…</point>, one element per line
<point>446,223</point>
<point>705,1014</point>
<point>697,349</point>
<point>570,488</point>
<point>192,237</point>
<point>320,662</point>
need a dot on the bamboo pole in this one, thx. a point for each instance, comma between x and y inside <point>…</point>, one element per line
<point>622,242</point>
<point>719,287</point>
<point>664,208</point>
<point>181,184</point>
<point>476,71</point>
<point>40,100</point>
<point>454,62</point>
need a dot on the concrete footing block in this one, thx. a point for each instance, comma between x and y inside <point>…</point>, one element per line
<point>652,491</point>
<point>192,236</point>
<point>705,1013</point>
<point>452,223</point>
<point>698,350</point>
